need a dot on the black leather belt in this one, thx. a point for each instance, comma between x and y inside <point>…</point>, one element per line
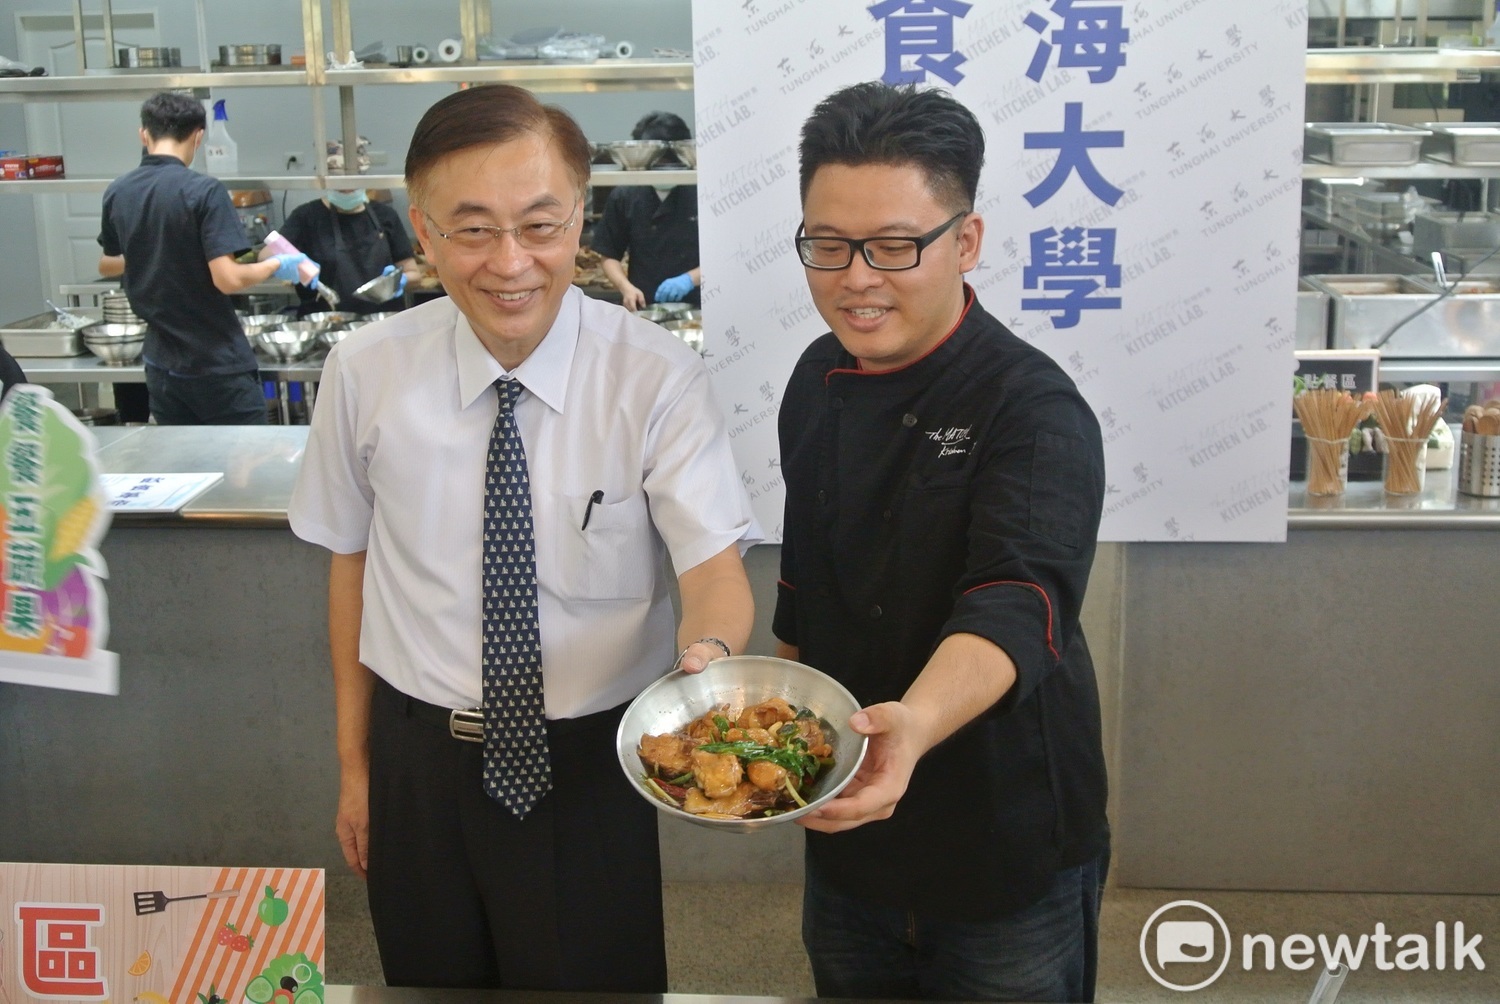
<point>467,724</point>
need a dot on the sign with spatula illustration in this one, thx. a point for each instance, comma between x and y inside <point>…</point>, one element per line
<point>156,902</point>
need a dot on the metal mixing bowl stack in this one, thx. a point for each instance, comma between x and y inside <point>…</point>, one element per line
<point>115,344</point>
<point>636,154</point>
<point>676,699</point>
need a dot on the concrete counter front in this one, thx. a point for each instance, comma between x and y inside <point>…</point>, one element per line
<point>1319,714</point>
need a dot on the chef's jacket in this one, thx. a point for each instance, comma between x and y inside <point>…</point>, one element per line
<point>960,493</point>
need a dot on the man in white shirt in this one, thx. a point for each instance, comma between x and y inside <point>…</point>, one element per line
<point>541,871</point>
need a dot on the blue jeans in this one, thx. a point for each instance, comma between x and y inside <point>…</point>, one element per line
<point>1046,952</point>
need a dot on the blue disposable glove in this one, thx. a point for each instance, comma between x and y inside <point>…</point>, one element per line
<point>286,268</point>
<point>674,289</point>
<point>400,286</point>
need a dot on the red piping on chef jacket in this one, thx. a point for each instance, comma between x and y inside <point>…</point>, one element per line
<point>861,371</point>
<point>784,582</point>
<point>1045,599</point>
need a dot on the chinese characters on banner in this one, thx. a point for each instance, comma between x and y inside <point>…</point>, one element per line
<point>1140,197</point>
<point>161,935</point>
<point>53,613</point>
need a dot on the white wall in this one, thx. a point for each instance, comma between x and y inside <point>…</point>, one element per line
<point>269,123</point>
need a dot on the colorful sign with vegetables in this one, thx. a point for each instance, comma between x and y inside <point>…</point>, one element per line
<point>147,935</point>
<point>53,612</point>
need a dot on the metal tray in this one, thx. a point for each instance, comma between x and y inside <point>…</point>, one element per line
<point>1440,229</point>
<point>1464,144</point>
<point>1364,144</point>
<point>41,337</point>
<point>1370,285</point>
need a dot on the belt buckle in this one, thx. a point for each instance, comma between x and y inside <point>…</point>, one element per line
<point>466,724</point>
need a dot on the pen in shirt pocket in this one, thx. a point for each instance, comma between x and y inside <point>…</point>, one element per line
<point>595,499</point>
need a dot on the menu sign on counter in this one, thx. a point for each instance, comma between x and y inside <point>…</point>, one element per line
<point>161,935</point>
<point>54,615</point>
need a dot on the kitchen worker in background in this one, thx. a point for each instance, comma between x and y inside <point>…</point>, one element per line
<point>944,481</point>
<point>355,240</point>
<point>500,475</point>
<point>658,226</point>
<point>10,372</point>
<point>173,234</point>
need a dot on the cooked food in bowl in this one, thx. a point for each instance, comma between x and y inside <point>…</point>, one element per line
<point>680,702</point>
<point>737,764</point>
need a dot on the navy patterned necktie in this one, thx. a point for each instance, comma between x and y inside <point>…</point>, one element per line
<point>517,765</point>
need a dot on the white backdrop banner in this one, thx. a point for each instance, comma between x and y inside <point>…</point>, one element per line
<point>1140,196</point>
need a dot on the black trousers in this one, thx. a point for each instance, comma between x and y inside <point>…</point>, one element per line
<point>462,894</point>
<point>232,399</point>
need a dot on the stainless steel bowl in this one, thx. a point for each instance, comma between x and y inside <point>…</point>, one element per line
<point>332,336</point>
<point>379,289</point>
<point>115,344</point>
<point>328,319</point>
<point>636,154</point>
<point>254,324</point>
<point>686,151</point>
<point>691,332</point>
<point>677,698</point>
<point>676,310</point>
<point>288,343</point>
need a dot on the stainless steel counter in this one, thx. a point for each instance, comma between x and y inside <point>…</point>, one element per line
<point>1366,506</point>
<point>89,369</point>
<point>259,464</point>
<point>338,994</point>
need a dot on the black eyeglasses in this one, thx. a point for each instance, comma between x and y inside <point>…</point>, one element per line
<point>889,254</point>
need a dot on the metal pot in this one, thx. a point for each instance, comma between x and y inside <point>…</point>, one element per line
<point>257,54</point>
<point>153,56</point>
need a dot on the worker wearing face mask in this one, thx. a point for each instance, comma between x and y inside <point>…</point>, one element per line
<point>354,240</point>
<point>657,226</point>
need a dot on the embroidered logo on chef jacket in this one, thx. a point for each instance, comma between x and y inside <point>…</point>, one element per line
<point>952,441</point>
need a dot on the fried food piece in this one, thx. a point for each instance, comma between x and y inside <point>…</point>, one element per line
<point>811,733</point>
<point>766,775</point>
<point>669,755</point>
<point>739,802</point>
<point>703,728</point>
<point>766,713</point>
<point>716,773</point>
<point>760,736</point>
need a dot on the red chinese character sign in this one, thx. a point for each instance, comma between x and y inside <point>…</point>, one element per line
<point>159,935</point>
<point>54,617</point>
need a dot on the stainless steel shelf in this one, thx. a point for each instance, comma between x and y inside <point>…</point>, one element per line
<point>1362,65</point>
<point>601,75</point>
<point>602,178</point>
<point>1428,370</point>
<point>129,85</point>
<point>1423,170</point>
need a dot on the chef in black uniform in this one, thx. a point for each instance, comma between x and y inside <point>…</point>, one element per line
<point>658,226</point>
<point>355,239</point>
<point>944,481</point>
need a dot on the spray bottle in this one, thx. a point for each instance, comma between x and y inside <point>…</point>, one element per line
<point>307,271</point>
<point>220,152</point>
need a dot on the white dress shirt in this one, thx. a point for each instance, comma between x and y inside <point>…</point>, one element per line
<point>395,466</point>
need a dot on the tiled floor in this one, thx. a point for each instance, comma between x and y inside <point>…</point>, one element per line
<point>702,958</point>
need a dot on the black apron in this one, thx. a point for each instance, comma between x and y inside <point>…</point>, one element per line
<point>353,263</point>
